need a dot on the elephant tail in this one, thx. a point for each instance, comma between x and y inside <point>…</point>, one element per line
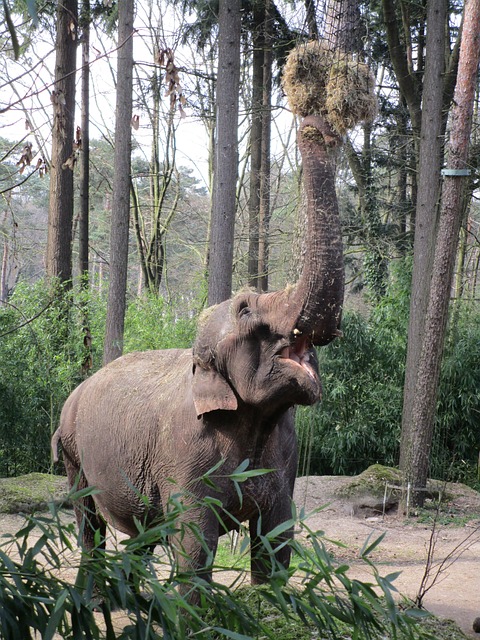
<point>54,444</point>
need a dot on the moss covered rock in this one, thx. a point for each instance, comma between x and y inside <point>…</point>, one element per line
<point>31,492</point>
<point>380,488</point>
<point>371,482</point>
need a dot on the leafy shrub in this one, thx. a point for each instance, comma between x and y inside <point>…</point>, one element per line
<point>41,356</point>
<point>358,422</point>
<point>152,323</point>
<point>37,371</point>
<point>457,432</point>
<point>35,599</point>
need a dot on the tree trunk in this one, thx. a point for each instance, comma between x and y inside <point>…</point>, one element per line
<point>162,216</point>
<point>407,81</point>
<point>83,223</point>
<point>430,162</point>
<point>343,26</point>
<point>226,153</point>
<point>455,181</point>
<point>311,18</point>
<point>60,213</point>
<point>3,273</point>
<point>265,174</point>
<point>403,202</point>
<point>258,42</point>
<point>121,187</point>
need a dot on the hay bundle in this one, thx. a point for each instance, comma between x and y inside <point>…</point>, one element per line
<point>305,77</point>
<point>350,96</point>
<point>320,81</point>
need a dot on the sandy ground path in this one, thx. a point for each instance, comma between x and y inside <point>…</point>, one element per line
<point>456,593</point>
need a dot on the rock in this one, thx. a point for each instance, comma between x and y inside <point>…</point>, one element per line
<point>31,492</point>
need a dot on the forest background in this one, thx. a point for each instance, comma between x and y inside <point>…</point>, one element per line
<point>46,349</point>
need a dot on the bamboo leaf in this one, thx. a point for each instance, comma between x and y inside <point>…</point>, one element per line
<point>369,547</point>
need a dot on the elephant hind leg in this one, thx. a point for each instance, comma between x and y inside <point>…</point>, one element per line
<point>86,513</point>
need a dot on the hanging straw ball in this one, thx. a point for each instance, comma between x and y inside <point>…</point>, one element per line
<point>350,95</point>
<point>305,77</point>
<point>320,81</point>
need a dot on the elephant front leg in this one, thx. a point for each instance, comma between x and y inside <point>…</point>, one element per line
<point>194,546</point>
<point>264,555</point>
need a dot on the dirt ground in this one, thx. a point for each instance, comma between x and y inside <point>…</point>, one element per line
<point>456,593</point>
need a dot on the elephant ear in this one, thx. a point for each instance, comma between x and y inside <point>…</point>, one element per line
<point>211,392</point>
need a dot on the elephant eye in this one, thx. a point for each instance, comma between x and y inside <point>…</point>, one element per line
<point>248,318</point>
<point>244,311</point>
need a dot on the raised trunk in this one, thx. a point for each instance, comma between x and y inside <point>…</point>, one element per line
<point>315,305</point>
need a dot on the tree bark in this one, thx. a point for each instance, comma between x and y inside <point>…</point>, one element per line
<point>407,82</point>
<point>312,25</point>
<point>343,26</point>
<point>403,201</point>
<point>424,404</point>
<point>121,187</point>
<point>428,195</point>
<point>3,273</point>
<point>265,174</point>
<point>256,142</point>
<point>83,223</point>
<point>60,213</point>
<point>226,153</point>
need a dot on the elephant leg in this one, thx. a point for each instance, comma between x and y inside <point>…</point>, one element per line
<point>193,545</point>
<point>88,522</point>
<point>88,519</point>
<point>260,559</point>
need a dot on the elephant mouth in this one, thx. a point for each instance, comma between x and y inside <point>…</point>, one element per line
<point>299,353</point>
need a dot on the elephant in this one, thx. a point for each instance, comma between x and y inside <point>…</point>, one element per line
<point>151,422</point>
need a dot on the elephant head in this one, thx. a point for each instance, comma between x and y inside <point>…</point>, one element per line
<point>258,349</point>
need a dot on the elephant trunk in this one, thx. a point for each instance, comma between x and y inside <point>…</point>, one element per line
<point>315,305</point>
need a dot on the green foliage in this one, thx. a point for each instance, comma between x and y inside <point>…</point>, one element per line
<point>152,323</point>
<point>41,356</point>
<point>325,601</point>
<point>37,371</point>
<point>358,422</point>
<point>375,272</point>
<point>457,433</point>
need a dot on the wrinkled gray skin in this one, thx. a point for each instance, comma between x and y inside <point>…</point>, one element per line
<point>150,417</point>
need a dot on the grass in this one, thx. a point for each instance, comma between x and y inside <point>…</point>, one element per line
<point>233,554</point>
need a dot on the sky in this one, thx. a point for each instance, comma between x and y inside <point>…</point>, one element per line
<point>35,86</point>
